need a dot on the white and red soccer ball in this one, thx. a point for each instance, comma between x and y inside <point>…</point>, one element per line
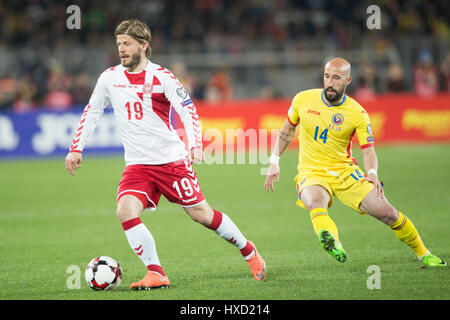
<point>103,273</point>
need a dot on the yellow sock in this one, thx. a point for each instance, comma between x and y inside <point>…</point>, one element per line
<point>321,220</point>
<point>405,230</point>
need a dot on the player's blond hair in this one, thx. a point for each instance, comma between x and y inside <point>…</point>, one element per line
<point>137,29</point>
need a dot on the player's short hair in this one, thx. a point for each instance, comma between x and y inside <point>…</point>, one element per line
<point>137,29</point>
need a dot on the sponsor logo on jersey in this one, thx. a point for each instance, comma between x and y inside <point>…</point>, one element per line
<point>313,112</point>
<point>129,86</point>
<point>189,200</point>
<point>337,119</point>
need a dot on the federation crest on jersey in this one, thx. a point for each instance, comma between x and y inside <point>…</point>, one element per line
<point>147,88</point>
<point>337,119</point>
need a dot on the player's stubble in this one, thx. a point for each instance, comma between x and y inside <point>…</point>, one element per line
<point>337,94</point>
<point>135,60</point>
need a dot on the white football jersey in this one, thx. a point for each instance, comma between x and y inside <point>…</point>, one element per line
<point>142,104</point>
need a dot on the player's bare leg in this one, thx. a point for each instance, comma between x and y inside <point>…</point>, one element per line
<point>379,207</point>
<point>201,213</point>
<point>225,227</point>
<point>129,209</point>
<point>316,199</point>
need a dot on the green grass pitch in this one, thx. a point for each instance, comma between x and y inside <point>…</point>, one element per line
<point>50,221</point>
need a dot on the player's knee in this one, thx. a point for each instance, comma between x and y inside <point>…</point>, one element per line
<point>121,213</point>
<point>129,207</point>
<point>200,214</point>
<point>125,214</point>
<point>315,202</point>
<point>315,197</point>
<point>387,214</point>
<point>391,216</point>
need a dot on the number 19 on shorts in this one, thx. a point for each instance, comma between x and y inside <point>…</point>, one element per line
<point>185,185</point>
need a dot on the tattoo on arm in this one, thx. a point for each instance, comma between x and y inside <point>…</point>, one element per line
<point>285,138</point>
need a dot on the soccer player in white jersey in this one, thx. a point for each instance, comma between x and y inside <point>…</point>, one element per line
<point>142,95</point>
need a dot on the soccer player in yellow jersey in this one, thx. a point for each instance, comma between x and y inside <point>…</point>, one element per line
<point>327,119</point>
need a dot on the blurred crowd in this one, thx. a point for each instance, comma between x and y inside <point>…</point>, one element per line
<point>46,65</point>
<point>429,78</point>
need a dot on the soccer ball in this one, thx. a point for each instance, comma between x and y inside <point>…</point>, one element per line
<point>103,273</point>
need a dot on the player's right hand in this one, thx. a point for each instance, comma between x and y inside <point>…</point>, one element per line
<point>196,155</point>
<point>272,176</point>
<point>73,162</point>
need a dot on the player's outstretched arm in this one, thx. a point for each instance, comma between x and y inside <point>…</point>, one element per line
<point>73,162</point>
<point>285,137</point>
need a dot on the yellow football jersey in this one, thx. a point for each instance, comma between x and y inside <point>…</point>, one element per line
<point>326,131</point>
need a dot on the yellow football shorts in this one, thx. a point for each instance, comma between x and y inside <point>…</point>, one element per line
<point>349,185</point>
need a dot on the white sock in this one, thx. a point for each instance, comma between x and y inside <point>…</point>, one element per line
<point>225,227</point>
<point>141,241</point>
<point>230,232</point>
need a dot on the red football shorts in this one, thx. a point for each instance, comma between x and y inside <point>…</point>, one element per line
<point>177,181</point>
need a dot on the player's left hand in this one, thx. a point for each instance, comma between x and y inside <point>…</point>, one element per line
<point>196,155</point>
<point>377,184</point>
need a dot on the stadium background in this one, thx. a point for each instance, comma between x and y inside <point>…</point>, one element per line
<point>224,51</point>
<point>242,62</point>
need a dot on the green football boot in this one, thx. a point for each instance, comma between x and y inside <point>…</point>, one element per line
<point>333,247</point>
<point>433,261</point>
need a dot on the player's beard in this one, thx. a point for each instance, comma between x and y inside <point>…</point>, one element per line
<point>135,60</point>
<point>337,95</point>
